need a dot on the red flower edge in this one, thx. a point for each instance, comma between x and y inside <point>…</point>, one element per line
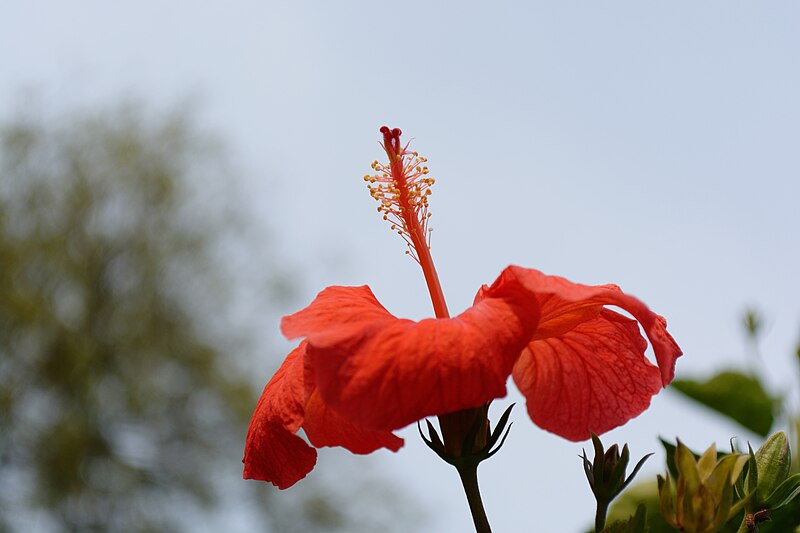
<point>366,373</point>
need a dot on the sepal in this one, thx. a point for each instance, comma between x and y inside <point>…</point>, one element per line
<point>606,474</point>
<point>468,453</point>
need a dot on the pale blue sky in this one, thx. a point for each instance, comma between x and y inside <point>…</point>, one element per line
<point>653,145</point>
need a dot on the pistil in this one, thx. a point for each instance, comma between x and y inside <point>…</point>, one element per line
<point>402,189</point>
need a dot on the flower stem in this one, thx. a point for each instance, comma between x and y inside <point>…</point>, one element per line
<point>600,516</point>
<point>468,472</point>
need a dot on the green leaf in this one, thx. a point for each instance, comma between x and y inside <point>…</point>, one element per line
<point>738,396</point>
<point>635,524</point>
<point>785,492</point>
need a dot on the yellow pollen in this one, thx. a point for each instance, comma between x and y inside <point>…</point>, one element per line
<point>401,190</point>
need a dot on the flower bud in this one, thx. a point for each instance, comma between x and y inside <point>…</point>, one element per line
<point>610,461</point>
<point>704,490</point>
<point>606,474</point>
<point>768,485</point>
<point>773,462</point>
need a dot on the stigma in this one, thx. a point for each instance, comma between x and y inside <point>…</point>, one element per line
<point>402,188</point>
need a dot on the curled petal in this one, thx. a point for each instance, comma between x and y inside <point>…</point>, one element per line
<point>384,373</point>
<point>272,451</point>
<point>564,305</point>
<point>590,379</point>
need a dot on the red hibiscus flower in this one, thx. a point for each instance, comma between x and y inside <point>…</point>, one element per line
<point>360,373</point>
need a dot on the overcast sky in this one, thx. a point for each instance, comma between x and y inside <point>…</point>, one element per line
<point>652,145</point>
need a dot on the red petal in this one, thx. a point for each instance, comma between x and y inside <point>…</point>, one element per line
<point>273,452</point>
<point>324,427</point>
<point>592,378</point>
<point>384,373</point>
<point>564,305</point>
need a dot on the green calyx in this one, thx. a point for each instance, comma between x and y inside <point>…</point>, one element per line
<point>469,455</point>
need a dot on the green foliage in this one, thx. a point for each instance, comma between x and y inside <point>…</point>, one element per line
<point>738,396</point>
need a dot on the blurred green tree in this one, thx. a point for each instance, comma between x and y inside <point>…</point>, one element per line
<point>120,388</point>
